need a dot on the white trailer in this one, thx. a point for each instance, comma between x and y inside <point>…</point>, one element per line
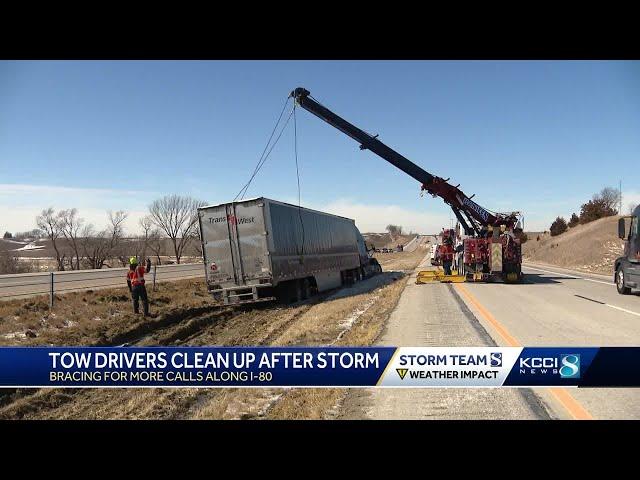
<point>261,249</point>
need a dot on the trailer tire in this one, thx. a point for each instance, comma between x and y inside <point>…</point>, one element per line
<point>287,292</point>
<point>305,289</point>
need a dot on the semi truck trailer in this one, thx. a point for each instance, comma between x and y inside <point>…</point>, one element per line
<point>262,250</point>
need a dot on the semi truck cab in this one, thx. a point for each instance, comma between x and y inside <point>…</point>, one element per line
<point>627,267</point>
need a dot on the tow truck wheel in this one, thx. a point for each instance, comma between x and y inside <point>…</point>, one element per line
<point>622,290</point>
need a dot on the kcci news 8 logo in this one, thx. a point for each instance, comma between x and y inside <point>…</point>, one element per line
<point>566,365</point>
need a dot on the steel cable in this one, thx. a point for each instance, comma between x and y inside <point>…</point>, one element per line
<point>244,189</point>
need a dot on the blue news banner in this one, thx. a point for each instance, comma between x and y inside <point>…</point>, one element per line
<point>81,367</point>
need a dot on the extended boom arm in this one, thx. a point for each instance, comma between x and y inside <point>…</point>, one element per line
<point>477,216</point>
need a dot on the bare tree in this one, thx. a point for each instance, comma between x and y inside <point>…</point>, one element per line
<point>93,246</point>
<point>195,240</point>
<point>140,245</point>
<point>394,230</point>
<point>154,244</point>
<point>147,227</point>
<point>98,247</point>
<point>34,234</point>
<point>610,198</point>
<point>9,263</point>
<point>115,230</point>
<point>71,224</point>
<point>49,223</point>
<point>177,216</point>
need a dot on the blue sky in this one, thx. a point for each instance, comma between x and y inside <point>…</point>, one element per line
<point>535,136</point>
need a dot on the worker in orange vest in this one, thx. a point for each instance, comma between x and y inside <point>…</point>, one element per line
<point>446,254</point>
<point>135,281</point>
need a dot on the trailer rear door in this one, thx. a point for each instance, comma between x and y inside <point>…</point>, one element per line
<point>235,243</point>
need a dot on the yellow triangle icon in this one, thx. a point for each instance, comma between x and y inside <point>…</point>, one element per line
<point>402,372</point>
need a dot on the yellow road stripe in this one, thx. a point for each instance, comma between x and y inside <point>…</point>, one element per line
<point>511,341</point>
<point>574,408</point>
<point>571,404</point>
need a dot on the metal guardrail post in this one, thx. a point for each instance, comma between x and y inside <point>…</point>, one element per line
<point>155,269</point>
<point>51,293</point>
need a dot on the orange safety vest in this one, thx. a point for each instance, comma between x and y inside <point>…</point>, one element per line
<point>136,276</point>
<point>446,252</point>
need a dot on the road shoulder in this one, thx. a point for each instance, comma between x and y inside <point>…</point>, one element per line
<point>434,315</point>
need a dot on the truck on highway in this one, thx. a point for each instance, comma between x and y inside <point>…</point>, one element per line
<point>627,267</point>
<point>261,250</point>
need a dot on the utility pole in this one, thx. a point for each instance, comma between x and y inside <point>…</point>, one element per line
<point>620,192</point>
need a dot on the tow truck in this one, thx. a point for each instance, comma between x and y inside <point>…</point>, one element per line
<point>492,247</point>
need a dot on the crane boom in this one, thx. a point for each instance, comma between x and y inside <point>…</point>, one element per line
<point>477,216</point>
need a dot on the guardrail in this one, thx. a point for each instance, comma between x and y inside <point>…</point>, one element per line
<point>31,284</point>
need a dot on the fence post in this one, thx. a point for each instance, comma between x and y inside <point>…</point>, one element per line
<point>155,269</point>
<point>51,293</point>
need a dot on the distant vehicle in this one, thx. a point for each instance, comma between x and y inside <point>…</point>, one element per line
<point>435,259</point>
<point>627,267</point>
<point>260,250</point>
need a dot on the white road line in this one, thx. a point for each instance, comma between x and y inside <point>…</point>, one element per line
<point>597,281</point>
<point>591,280</point>
<point>570,276</point>
<point>624,310</point>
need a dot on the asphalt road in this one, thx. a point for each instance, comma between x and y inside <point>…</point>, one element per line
<point>434,315</point>
<point>553,307</point>
<point>30,284</point>
<point>417,241</point>
<point>558,307</point>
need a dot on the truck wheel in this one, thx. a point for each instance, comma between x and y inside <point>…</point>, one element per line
<point>350,277</point>
<point>622,290</point>
<point>297,291</point>
<point>283,293</point>
<point>306,289</point>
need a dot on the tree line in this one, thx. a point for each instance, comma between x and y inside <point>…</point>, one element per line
<point>603,204</point>
<point>79,245</point>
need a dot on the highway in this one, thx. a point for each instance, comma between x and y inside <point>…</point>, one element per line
<point>416,242</point>
<point>558,307</point>
<point>29,284</point>
<point>553,307</point>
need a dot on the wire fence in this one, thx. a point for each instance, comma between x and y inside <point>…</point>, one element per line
<point>32,284</point>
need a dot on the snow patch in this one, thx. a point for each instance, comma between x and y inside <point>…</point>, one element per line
<point>348,322</point>
<point>29,246</point>
<point>14,335</point>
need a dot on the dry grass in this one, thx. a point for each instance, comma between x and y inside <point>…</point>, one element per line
<point>382,240</point>
<point>592,247</point>
<point>324,402</point>
<point>95,317</point>
<point>340,318</point>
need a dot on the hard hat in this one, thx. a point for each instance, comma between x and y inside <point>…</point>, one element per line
<point>133,261</point>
